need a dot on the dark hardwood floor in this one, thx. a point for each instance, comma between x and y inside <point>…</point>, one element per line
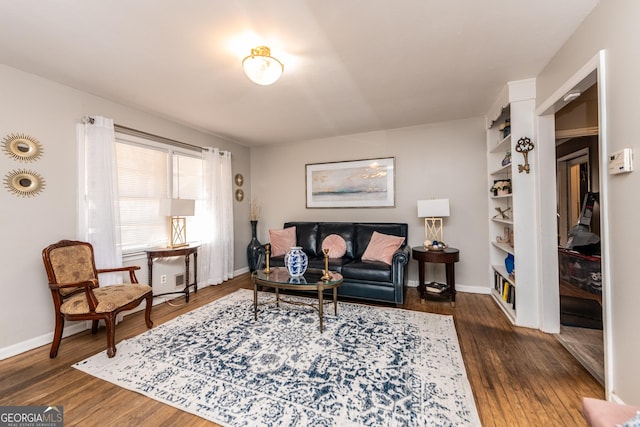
<point>520,377</point>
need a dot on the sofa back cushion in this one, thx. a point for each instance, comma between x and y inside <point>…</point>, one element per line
<point>364,231</point>
<point>306,236</point>
<point>282,240</point>
<point>347,230</point>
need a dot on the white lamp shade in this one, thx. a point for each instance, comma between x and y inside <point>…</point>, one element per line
<point>177,207</point>
<point>434,208</point>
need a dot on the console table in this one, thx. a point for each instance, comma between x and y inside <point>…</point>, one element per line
<point>186,252</point>
<point>447,256</point>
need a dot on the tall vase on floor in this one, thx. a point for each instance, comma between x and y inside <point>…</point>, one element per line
<point>254,249</point>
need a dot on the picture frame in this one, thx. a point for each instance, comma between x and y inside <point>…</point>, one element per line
<point>367,183</point>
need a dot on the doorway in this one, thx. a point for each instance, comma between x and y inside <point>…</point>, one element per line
<point>548,191</point>
<point>579,266</point>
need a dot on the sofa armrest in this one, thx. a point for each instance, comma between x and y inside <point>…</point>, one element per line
<point>399,272</point>
<point>401,256</point>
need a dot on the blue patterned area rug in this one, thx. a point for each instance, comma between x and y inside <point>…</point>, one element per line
<point>372,366</point>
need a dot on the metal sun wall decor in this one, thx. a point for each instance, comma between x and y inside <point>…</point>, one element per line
<point>24,183</point>
<point>23,148</point>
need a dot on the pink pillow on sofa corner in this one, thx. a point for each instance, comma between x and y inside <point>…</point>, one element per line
<point>282,240</point>
<point>336,245</point>
<point>381,247</point>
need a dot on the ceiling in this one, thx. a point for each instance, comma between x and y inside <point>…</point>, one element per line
<point>350,65</point>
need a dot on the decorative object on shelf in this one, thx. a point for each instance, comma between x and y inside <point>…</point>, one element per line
<point>524,145</point>
<point>239,179</point>
<point>505,128</point>
<point>502,213</point>
<point>261,67</point>
<point>509,264</point>
<point>501,187</point>
<point>22,147</point>
<point>432,211</point>
<point>505,237</point>
<point>239,195</point>
<point>254,248</point>
<point>296,261</point>
<point>365,183</point>
<point>177,210</point>
<point>507,159</point>
<point>326,276</point>
<point>267,256</point>
<point>24,182</point>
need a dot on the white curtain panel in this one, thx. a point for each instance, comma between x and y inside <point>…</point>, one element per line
<point>216,253</point>
<point>99,213</point>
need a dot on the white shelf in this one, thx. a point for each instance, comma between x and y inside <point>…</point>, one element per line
<point>503,170</point>
<point>505,306</point>
<point>503,221</point>
<point>504,247</point>
<point>502,270</point>
<point>503,145</point>
<point>504,196</point>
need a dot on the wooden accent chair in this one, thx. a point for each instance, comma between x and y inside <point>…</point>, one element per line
<point>77,295</point>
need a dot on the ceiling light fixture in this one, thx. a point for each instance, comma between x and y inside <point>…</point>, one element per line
<point>261,67</point>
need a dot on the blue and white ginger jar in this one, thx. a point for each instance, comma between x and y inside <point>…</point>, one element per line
<point>296,261</point>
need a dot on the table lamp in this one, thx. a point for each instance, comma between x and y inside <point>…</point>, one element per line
<point>177,210</point>
<point>432,211</point>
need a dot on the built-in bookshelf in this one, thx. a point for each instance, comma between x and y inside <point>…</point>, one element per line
<point>511,207</point>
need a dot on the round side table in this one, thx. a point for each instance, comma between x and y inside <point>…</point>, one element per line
<point>448,257</point>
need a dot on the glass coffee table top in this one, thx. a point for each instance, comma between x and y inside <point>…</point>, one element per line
<point>312,277</point>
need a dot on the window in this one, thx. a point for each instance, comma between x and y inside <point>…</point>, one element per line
<point>147,172</point>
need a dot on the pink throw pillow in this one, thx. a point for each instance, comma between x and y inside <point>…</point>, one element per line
<point>282,240</point>
<point>336,245</point>
<point>381,247</point>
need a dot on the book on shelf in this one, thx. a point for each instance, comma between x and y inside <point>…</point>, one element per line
<point>436,288</point>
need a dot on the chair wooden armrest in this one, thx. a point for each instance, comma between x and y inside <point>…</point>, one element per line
<point>86,286</point>
<point>85,283</point>
<point>131,269</point>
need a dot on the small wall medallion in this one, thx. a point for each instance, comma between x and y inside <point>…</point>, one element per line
<point>239,179</point>
<point>239,195</point>
<point>24,183</point>
<point>21,147</point>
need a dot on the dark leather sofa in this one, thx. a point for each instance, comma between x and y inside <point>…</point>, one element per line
<point>368,280</point>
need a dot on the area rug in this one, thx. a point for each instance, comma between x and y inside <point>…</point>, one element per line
<point>371,366</point>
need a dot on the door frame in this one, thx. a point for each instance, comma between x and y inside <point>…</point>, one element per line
<point>592,72</point>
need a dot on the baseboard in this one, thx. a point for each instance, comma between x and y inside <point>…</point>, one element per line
<point>77,327</point>
<point>472,289</point>
<point>21,347</point>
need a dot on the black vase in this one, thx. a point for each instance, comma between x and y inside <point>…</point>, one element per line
<point>255,251</point>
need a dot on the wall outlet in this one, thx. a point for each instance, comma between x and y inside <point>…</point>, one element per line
<point>163,278</point>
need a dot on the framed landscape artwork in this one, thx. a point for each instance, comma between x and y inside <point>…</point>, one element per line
<point>366,183</point>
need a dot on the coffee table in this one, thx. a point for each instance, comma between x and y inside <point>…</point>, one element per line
<point>279,278</point>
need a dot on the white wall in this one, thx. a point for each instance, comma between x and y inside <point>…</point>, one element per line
<point>441,160</point>
<point>49,112</point>
<point>613,26</point>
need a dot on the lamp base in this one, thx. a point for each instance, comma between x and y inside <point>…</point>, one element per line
<point>178,230</point>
